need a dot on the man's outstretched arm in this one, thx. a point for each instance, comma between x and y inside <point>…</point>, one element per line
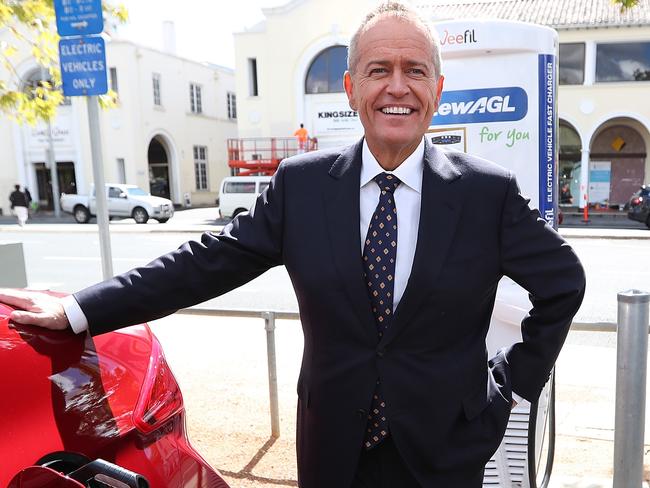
<point>193,273</point>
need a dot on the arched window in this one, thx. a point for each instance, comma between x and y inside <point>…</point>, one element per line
<point>325,75</point>
<point>618,149</point>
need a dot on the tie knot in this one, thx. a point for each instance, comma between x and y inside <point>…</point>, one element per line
<point>387,182</point>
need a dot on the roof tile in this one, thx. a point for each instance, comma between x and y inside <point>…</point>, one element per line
<point>560,14</point>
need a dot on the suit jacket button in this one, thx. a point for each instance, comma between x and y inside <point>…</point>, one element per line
<point>361,413</point>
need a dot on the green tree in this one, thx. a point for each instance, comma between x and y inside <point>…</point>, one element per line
<point>31,24</point>
<point>626,4</point>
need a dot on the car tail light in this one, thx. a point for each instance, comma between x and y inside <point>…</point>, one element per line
<point>160,397</point>
<point>636,201</point>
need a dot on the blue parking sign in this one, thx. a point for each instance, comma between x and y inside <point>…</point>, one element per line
<point>83,66</point>
<point>78,17</point>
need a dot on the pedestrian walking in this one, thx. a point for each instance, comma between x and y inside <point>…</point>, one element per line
<point>19,205</point>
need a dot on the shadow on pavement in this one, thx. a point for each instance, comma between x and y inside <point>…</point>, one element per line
<point>246,472</point>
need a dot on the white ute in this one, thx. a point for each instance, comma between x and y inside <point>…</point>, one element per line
<point>123,201</point>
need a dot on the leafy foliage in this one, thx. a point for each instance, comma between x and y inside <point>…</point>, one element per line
<point>31,24</point>
<point>626,4</point>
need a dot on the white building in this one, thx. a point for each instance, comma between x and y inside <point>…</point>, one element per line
<point>167,134</point>
<point>290,66</point>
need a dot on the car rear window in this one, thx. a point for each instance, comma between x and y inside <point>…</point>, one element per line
<point>239,187</point>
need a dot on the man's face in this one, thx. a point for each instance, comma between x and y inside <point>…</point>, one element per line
<point>394,88</point>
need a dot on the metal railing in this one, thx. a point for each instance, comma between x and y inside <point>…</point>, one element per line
<point>262,155</point>
<point>269,326</point>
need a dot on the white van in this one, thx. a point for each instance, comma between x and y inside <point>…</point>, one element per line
<point>238,193</point>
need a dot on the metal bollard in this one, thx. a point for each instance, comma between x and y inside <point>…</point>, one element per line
<point>269,326</point>
<point>631,366</point>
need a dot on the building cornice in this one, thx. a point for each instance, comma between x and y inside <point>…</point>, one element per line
<point>205,64</point>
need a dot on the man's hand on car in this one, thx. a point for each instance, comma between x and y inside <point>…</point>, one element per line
<point>35,308</point>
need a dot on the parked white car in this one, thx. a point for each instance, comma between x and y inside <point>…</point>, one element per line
<point>123,201</point>
<point>238,194</point>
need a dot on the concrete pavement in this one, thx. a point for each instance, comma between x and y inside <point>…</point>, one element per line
<point>223,376</point>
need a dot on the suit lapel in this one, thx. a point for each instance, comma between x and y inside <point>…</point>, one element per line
<point>341,198</point>
<point>439,214</point>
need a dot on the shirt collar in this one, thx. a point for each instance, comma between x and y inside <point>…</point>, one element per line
<point>409,172</point>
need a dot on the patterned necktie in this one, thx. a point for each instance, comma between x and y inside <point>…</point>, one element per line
<point>379,256</point>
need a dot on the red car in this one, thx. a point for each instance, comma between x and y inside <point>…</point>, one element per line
<point>81,411</point>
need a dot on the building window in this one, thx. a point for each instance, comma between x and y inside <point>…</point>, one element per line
<point>623,61</point>
<point>325,75</point>
<point>239,187</point>
<point>572,63</point>
<point>113,74</point>
<point>155,77</point>
<point>252,77</point>
<point>232,105</point>
<point>121,171</point>
<point>201,167</point>
<point>195,98</point>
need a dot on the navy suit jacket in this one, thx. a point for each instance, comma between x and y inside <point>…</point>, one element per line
<point>447,402</point>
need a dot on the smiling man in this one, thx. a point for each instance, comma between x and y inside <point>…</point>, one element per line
<point>394,82</point>
<point>395,266</point>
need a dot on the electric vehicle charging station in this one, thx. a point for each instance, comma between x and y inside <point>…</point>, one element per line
<point>499,103</point>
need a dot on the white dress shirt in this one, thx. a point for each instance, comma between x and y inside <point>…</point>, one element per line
<point>76,316</point>
<point>408,197</point>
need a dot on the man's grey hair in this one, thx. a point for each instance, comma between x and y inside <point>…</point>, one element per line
<point>398,10</point>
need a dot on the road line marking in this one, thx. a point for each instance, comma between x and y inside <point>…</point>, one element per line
<point>93,258</point>
<point>43,286</point>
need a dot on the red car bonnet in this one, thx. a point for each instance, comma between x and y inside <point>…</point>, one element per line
<point>67,392</point>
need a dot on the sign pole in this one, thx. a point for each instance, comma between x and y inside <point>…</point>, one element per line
<point>100,186</point>
<point>82,56</point>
